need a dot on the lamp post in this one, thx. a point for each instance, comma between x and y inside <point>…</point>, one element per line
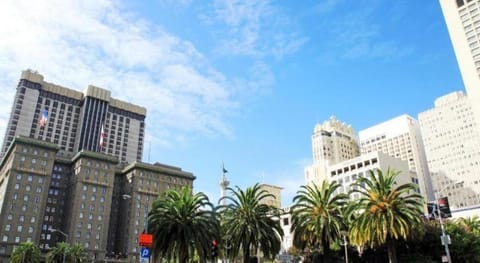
<point>66,237</point>
<point>345,244</point>
<point>444,238</point>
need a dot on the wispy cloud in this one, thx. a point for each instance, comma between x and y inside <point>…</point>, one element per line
<point>255,28</point>
<point>76,43</point>
<point>354,33</point>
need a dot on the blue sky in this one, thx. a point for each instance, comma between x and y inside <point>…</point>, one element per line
<point>236,82</point>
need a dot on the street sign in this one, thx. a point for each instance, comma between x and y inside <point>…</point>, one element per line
<point>145,252</point>
<point>145,240</point>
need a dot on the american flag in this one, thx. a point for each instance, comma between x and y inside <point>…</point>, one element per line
<point>102,136</point>
<point>44,118</point>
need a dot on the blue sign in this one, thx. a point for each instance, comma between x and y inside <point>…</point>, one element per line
<point>145,252</point>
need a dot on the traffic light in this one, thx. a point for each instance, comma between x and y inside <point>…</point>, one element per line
<point>214,249</point>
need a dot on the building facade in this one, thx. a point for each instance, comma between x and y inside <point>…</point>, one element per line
<point>332,142</point>
<point>463,23</point>
<point>75,121</point>
<point>96,200</point>
<point>345,173</point>
<point>276,192</point>
<point>401,138</point>
<point>452,145</point>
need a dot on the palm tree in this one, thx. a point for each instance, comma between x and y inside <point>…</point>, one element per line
<point>26,252</point>
<point>317,216</point>
<point>57,254</point>
<point>470,224</point>
<point>183,224</point>
<point>249,223</point>
<point>71,253</point>
<point>384,213</point>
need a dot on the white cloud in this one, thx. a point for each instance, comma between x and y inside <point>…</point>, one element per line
<point>76,43</point>
<point>255,28</point>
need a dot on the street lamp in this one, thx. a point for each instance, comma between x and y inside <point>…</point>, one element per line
<point>345,243</point>
<point>66,237</point>
<point>444,238</point>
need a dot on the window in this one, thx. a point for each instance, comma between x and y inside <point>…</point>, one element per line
<point>7,227</point>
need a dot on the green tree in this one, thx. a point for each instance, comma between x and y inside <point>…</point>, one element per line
<point>250,223</point>
<point>470,224</point>
<point>384,213</point>
<point>183,224</point>
<point>317,217</point>
<point>72,254</point>
<point>26,252</point>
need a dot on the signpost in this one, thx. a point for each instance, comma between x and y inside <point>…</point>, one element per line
<point>145,242</point>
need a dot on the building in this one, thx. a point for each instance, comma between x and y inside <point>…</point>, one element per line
<point>332,142</point>
<point>452,144</point>
<point>400,137</point>
<point>463,22</point>
<point>75,121</point>
<point>345,173</point>
<point>96,200</point>
<point>276,192</point>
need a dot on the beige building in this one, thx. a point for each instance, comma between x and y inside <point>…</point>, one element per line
<point>332,142</point>
<point>98,202</point>
<point>276,191</point>
<point>463,22</point>
<point>348,171</point>
<point>452,145</point>
<point>400,137</point>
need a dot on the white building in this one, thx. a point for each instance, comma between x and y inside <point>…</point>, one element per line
<point>348,171</point>
<point>400,137</point>
<point>332,142</point>
<point>463,22</point>
<point>452,145</point>
<point>286,224</point>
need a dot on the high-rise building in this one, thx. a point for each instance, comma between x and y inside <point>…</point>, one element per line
<point>463,22</point>
<point>452,144</point>
<point>94,199</point>
<point>75,121</point>
<point>71,171</point>
<point>332,142</point>
<point>400,137</point>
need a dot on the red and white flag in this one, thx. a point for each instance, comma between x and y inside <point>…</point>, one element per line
<point>102,136</point>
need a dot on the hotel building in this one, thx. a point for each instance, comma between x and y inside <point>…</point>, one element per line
<point>452,144</point>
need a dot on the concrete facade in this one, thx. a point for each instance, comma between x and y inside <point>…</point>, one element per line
<point>463,23</point>
<point>401,138</point>
<point>452,145</point>
<point>75,119</point>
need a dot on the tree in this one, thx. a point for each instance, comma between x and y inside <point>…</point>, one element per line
<point>251,223</point>
<point>26,252</point>
<point>470,224</point>
<point>183,224</point>
<point>317,219</point>
<point>384,213</point>
<point>72,254</point>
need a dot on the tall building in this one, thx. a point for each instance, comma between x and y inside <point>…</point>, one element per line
<point>75,121</point>
<point>400,137</point>
<point>452,144</point>
<point>97,201</point>
<point>332,142</point>
<point>463,22</point>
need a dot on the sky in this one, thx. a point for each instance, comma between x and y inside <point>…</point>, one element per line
<point>239,83</point>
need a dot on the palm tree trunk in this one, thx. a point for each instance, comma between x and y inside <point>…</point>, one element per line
<point>392,251</point>
<point>246,254</point>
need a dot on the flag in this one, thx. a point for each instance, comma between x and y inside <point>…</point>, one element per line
<point>44,118</point>
<point>102,136</point>
<point>224,170</point>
